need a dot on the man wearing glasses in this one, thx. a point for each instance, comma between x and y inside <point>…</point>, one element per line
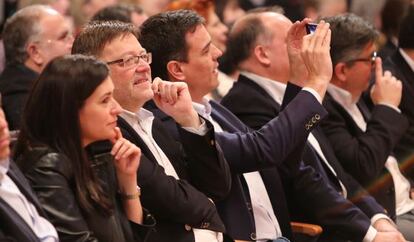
<point>363,141</point>
<point>179,181</point>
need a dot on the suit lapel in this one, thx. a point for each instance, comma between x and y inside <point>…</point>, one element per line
<point>364,109</point>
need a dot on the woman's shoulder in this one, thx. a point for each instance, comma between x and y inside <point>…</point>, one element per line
<point>45,158</point>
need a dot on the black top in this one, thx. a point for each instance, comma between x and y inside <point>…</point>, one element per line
<point>51,176</point>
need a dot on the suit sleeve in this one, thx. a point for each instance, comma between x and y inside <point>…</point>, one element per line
<point>209,171</point>
<point>356,193</point>
<point>271,144</point>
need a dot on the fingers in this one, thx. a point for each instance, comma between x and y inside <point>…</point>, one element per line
<point>378,69</point>
<point>118,135</point>
<point>121,148</point>
<point>166,91</point>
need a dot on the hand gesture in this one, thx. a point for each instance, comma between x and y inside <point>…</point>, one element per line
<point>387,89</point>
<point>298,71</point>
<point>316,56</point>
<point>126,159</point>
<point>174,99</point>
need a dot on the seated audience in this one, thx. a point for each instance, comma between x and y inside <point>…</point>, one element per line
<point>32,37</point>
<point>86,197</point>
<point>363,141</point>
<point>21,215</point>
<point>256,208</point>
<point>182,180</point>
<point>263,79</point>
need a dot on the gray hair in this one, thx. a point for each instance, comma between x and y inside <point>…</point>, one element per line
<point>20,29</point>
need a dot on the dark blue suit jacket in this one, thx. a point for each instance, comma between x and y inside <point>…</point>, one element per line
<point>280,140</point>
<point>261,108</point>
<point>12,226</point>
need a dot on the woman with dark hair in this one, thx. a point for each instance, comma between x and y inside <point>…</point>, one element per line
<point>87,197</point>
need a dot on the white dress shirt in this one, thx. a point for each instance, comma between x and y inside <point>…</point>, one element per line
<point>12,195</point>
<point>142,122</point>
<point>267,226</point>
<point>401,184</point>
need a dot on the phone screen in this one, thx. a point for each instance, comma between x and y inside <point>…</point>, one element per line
<point>310,28</point>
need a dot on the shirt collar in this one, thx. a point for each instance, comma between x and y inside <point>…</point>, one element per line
<point>407,58</point>
<point>203,108</point>
<point>4,168</point>
<point>142,115</point>
<point>274,88</point>
<point>342,96</point>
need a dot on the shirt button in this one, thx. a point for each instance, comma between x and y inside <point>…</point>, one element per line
<point>253,236</point>
<point>187,227</point>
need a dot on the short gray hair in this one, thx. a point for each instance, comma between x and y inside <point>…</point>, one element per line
<point>19,30</point>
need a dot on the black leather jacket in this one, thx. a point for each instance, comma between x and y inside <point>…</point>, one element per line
<point>51,176</point>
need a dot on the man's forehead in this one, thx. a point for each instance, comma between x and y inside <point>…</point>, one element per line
<point>122,44</point>
<point>198,38</point>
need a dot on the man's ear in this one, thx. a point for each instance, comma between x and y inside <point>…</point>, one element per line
<point>340,71</point>
<point>175,70</point>
<point>33,54</point>
<point>261,55</point>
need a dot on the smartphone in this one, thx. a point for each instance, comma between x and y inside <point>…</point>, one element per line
<point>310,28</point>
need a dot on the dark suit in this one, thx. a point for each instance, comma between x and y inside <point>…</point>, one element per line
<point>402,71</point>
<point>178,204</point>
<point>363,154</point>
<point>249,151</point>
<point>12,226</point>
<point>261,107</point>
<point>15,83</point>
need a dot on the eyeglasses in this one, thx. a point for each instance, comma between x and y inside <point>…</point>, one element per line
<point>132,60</point>
<point>371,59</point>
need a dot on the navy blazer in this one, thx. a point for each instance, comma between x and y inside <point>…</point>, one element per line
<point>261,107</point>
<point>12,226</point>
<point>363,154</point>
<point>246,151</point>
<point>179,205</point>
